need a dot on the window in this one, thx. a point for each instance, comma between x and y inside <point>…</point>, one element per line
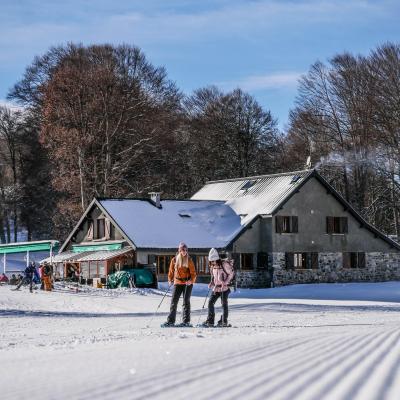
<point>295,179</point>
<point>84,268</point>
<point>336,225</point>
<point>248,185</point>
<point>202,265</point>
<point>286,224</point>
<point>354,260</point>
<point>100,225</point>
<point>162,263</point>
<point>301,260</point>
<point>246,261</point>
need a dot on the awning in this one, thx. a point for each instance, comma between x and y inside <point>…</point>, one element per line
<point>104,255</point>
<point>101,255</point>
<point>23,247</point>
<point>109,245</point>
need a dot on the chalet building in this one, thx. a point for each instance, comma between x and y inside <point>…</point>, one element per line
<point>280,229</point>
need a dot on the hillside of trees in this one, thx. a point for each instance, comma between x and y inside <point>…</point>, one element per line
<point>103,121</point>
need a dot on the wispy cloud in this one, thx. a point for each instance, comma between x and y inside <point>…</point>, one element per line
<point>253,83</point>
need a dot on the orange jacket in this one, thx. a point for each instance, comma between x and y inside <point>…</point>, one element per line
<point>182,274</point>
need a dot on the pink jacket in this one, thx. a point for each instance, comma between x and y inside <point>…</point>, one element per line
<point>220,278</point>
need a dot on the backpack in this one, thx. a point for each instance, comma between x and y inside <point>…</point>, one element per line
<point>228,267</point>
<point>46,270</point>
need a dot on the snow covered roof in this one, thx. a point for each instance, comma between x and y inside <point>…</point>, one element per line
<point>200,224</point>
<point>251,196</point>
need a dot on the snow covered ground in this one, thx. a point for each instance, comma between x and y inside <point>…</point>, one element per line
<point>328,341</point>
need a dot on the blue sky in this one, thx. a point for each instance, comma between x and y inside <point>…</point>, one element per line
<point>261,46</point>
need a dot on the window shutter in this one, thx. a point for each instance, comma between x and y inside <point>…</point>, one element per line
<point>314,260</point>
<point>346,260</point>
<point>295,224</point>
<point>89,235</point>
<point>329,224</point>
<point>344,225</point>
<point>289,260</point>
<point>107,229</point>
<point>279,224</point>
<point>262,260</point>
<point>361,260</point>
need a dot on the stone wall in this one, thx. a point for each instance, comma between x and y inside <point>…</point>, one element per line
<point>253,279</point>
<point>379,267</point>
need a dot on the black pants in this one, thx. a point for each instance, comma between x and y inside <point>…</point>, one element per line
<point>211,310</point>
<point>24,281</point>
<point>177,291</point>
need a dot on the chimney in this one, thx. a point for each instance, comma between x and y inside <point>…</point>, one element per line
<point>155,198</point>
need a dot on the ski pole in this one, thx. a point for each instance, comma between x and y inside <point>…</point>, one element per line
<point>166,292</point>
<point>204,304</point>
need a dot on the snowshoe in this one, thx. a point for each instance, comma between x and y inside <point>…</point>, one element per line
<point>206,324</point>
<point>184,325</point>
<point>167,325</point>
<point>221,324</point>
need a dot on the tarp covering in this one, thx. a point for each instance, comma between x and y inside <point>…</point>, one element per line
<point>119,279</point>
<point>142,276</point>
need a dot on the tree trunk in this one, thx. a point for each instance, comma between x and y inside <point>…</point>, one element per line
<point>81,179</point>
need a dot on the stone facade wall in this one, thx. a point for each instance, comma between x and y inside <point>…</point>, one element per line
<point>379,267</point>
<point>253,279</point>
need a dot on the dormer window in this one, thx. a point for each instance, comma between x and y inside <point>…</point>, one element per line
<point>295,179</point>
<point>247,185</point>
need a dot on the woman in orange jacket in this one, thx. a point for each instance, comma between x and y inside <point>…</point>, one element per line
<point>182,274</point>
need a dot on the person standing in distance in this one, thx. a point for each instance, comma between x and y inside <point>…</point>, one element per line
<point>221,276</point>
<point>182,275</point>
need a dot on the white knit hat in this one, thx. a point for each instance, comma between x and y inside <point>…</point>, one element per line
<point>213,255</point>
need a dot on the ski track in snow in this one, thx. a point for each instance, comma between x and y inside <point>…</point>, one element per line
<point>95,345</point>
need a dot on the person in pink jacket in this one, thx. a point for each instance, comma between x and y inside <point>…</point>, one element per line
<point>221,275</point>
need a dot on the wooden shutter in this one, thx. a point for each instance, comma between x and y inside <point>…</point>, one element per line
<point>295,224</point>
<point>353,260</point>
<point>314,260</point>
<point>346,260</point>
<point>344,228</point>
<point>262,260</point>
<point>289,260</point>
<point>279,224</point>
<point>329,224</point>
<point>361,260</point>
<point>107,229</point>
<point>89,235</point>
